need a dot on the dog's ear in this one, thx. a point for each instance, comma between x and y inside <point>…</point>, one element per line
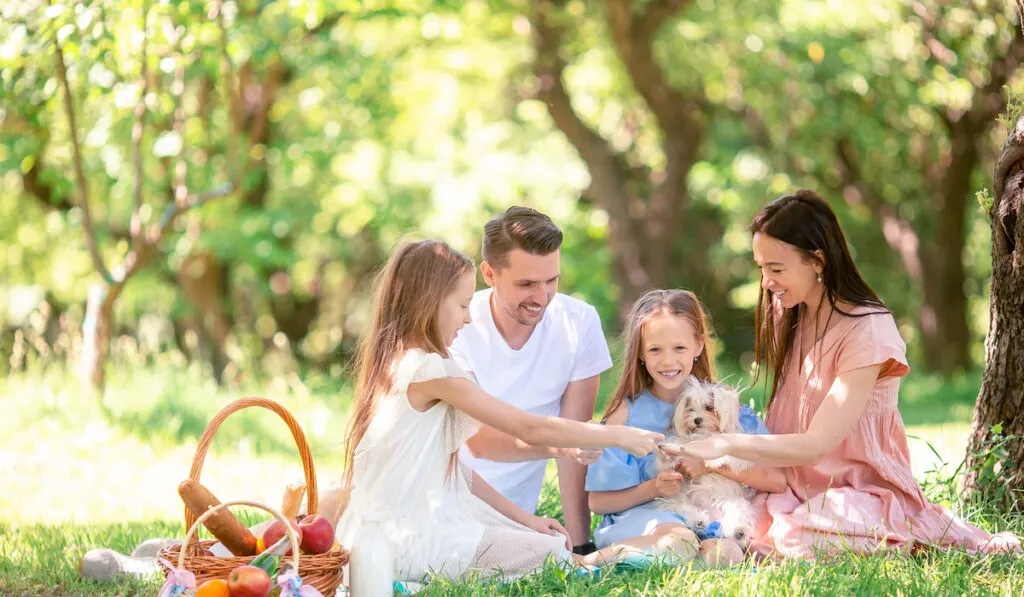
<point>682,405</point>
<point>728,407</point>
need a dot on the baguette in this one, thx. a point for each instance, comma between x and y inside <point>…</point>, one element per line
<point>223,524</point>
<point>292,500</point>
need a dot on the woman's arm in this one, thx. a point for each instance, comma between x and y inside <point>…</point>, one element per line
<point>832,423</point>
<point>557,432</point>
<point>761,478</point>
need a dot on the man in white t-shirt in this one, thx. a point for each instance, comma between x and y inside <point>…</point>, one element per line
<point>539,350</point>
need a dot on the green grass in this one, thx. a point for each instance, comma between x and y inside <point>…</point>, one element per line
<point>77,474</point>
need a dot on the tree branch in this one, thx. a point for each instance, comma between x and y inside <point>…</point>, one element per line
<point>231,101</point>
<point>634,41</point>
<point>898,232</point>
<point>989,100</point>
<point>602,162</point>
<point>83,193</point>
<point>135,226</point>
<point>606,168</point>
<point>179,179</point>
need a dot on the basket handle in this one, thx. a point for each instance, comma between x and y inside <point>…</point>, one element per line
<point>292,537</point>
<point>312,499</point>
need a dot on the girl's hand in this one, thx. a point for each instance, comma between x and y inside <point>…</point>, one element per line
<point>667,483</point>
<point>582,455</point>
<point>637,442</point>
<point>691,468</point>
<point>707,448</point>
<point>548,526</point>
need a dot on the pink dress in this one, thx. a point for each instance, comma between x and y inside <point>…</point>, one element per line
<point>862,497</point>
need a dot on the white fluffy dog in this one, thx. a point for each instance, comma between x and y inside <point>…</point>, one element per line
<point>706,409</point>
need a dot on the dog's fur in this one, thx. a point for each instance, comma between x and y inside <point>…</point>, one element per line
<point>706,409</point>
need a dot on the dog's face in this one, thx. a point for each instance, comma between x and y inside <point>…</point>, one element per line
<point>705,409</point>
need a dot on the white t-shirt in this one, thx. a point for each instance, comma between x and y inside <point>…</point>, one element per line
<point>567,345</point>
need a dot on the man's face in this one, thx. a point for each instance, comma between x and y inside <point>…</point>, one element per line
<point>524,287</point>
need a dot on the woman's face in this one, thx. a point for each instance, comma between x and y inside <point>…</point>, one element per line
<point>785,272</point>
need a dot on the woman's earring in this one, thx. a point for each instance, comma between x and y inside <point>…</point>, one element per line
<point>695,359</point>
<point>819,276</point>
<point>641,361</point>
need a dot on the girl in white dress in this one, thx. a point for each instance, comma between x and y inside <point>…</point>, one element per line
<point>414,408</point>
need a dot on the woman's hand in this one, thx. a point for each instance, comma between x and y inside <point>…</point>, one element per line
<point>667,483</point>
<point>691,468</point>
<point>707,448</point>
<point>637,442</point>
<point>548,526</point>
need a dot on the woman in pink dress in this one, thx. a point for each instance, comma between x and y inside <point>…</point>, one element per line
<point>836,359</point>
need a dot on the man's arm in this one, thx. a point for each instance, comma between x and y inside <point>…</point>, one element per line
<point>578,403</point>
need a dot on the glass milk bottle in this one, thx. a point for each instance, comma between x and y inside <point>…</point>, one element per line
<point>371,566</point>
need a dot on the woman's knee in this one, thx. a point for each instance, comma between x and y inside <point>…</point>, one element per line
<point>721,552</point>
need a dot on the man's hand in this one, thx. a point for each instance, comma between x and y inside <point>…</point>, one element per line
<point>582,456</point>
<point>667,483</point>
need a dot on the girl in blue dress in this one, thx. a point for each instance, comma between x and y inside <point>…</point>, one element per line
<point>668,340</point>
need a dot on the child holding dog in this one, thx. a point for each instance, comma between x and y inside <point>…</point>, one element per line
<point>667,343</point>
<point>414,407</point>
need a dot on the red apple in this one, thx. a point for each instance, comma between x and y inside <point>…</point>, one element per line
<point>317,534</point>
<point>249,581</point>
<point>275,531</point>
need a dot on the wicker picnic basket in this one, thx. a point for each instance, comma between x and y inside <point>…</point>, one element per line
<point>323,571</point>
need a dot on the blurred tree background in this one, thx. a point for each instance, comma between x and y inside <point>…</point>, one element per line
<point>236,171</point>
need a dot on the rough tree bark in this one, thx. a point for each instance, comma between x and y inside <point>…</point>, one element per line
<point>1001,400</point>
<point>647,209</point>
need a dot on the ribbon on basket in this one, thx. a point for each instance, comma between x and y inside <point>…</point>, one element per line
<point>178,581</point>
<point>291,585</point>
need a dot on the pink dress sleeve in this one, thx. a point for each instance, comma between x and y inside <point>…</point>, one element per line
<point>874,340</point>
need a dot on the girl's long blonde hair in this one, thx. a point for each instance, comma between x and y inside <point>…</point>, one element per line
<point>635,377</point>
<point>407,299</point>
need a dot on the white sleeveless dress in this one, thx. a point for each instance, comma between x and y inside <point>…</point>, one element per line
<point>434,523</point>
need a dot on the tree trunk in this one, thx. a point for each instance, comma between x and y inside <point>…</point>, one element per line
<point>204,282</point>
<point>99,311</point>
<point>996,449</point>
<point>943,320</point>
<point>946,338</point>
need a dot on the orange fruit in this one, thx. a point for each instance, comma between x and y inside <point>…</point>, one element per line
<point>216,587</point>
<point>260,547</point>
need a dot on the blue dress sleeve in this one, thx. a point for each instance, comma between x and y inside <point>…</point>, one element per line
<point>750,423</point>
<point>615,470</point>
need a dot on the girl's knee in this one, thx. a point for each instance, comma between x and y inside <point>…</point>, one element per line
<point>676,539</point>
<point>720,553</point>
<point>676,530</point>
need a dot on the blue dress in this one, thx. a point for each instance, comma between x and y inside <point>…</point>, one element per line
<point>618,469</point>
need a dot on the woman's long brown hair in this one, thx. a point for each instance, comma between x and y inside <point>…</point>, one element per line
<point>635,377</point>
<point>408,295</point>
<point>805,221</point>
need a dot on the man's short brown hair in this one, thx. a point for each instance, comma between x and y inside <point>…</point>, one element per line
<point>519,228</point>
